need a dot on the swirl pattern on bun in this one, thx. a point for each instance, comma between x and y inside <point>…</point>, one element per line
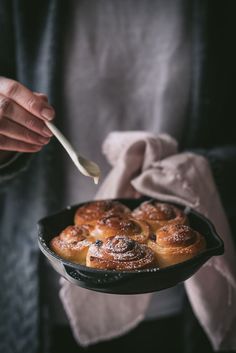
<point>157,214</point>
<point>120,253</point>
<point>91,212</point>
<point>108,235</point>
<point>72,243</point>
<point>176,243</point>
<point>112,225</point>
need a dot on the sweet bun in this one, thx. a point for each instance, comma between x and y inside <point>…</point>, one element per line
<point>72,243</point>
<point>112,225</point>
<point>92,211</point>
<point>108,235</point>
<point>176,243</point>
<point>120,253</point>
<point>157,214</point>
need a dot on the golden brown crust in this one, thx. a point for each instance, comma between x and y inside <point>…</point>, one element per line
<point>120,253</point>
<point>176,243</point>
<point>93,211</point>
<point>108,236</point>
<point>112,225</point>
<point>157,214</point>
<point>72,243</point>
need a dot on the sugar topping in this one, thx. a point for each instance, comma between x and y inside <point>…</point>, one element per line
<point>121,224</point>
<point>94,210</point>
<point>120,252</point>
<point>177,235</point>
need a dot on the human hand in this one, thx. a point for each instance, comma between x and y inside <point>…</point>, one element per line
<point>22,118</point>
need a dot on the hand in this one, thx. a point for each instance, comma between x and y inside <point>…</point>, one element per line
<point>22,118</point>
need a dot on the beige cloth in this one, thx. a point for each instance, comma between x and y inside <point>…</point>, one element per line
<point>151,166</point>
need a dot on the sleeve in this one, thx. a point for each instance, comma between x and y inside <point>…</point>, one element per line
<point>14,166</point>
<point>7,40</point>
<point>8,69</point>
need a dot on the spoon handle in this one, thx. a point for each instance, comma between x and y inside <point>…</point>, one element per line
<point>63,140</point>
<point>68,147</point>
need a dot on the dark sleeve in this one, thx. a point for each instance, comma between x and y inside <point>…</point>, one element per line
<point>8,69</point>
<point>14,166</point>
<point>7,40</point>
<point>223,165</point>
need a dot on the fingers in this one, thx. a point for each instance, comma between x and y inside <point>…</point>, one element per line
<point>22,117</point>
<point>42,96</point>
<point>15,131</point>
<point>14,112</point>
<point>33,103</point>
<point>9,144</point>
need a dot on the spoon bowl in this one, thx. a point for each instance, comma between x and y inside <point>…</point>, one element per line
<point>85,166</point>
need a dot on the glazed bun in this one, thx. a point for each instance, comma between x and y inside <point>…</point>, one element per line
<point>72,243</point>
<point>120,253</point>
<point>157,214</point>
<point>112,225</point>
<point>108,235</point>
<point>176,243</point>
<point>91,212</point>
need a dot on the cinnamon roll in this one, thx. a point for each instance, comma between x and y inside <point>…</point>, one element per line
<point>120,253</point>
<point>112,225</point>
<point>92,211</point>
<point>158,214</point>
<point>73,243</point>
<point>176,243</point>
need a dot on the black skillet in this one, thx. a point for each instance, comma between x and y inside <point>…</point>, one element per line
<point>127,282</point>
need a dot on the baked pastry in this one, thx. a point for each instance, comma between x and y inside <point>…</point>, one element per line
<point>176,243</point>
<point>92,211</point>
<point>108,235</point>
<point>120,253</point>
<point>73,243</point>
<point>112,225</point>
<point>158,214</point>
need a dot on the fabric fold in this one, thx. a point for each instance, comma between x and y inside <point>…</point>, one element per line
<point>151,166</point>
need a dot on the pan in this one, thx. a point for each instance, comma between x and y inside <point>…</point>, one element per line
<point>127,282</point>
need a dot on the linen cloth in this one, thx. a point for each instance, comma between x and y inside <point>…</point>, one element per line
<point>148,165</point>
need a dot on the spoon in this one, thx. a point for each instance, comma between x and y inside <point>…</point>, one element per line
<point>85,166</point>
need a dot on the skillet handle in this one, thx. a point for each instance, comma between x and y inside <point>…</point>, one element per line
<point>104,280</point>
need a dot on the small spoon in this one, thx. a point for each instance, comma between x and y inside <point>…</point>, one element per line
<point>85,166</point>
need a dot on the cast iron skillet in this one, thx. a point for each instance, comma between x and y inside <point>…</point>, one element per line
<point>126,282</point>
